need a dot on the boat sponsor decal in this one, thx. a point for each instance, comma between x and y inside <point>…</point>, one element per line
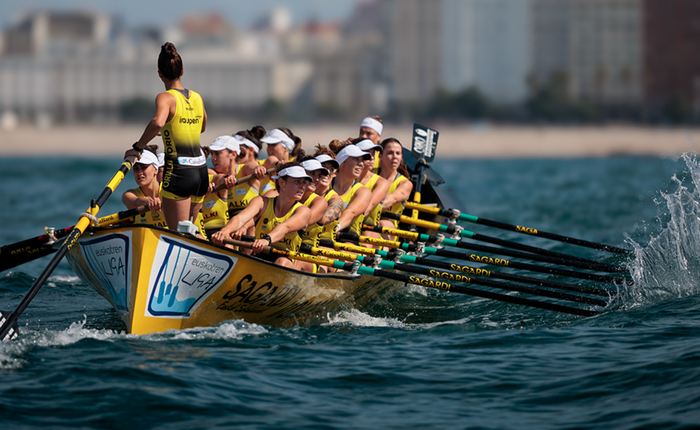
<point>183,276</point>
<point>253,296</point>
<point>108,260</point>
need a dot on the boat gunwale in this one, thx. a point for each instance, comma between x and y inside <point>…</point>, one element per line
<point>345,276</point>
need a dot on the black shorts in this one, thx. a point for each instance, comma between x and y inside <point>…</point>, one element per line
<point>183,182</point>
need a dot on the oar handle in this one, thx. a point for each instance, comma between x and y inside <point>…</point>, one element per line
<point>245,179</point>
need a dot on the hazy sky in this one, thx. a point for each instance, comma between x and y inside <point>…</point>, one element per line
<point>137,12</point>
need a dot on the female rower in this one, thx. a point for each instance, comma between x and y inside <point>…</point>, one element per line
<point>242,194</point>
<point>323,188</point>
<point>321,212</point>
<point>282,147</point>
<point>214,213</point>
<point>148,191</point>
<point>378,185</point>
<point>371,128</point>
<point>394,170</point>
<point>355,196</point>
<point>180,119</point>
<point>277,219</point>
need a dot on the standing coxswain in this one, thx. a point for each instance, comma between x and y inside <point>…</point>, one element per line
<point>180,119</point>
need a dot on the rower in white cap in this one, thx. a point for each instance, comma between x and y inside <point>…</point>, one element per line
<point>277,219</point>
<point>148,191</point>
<point>371,128</point>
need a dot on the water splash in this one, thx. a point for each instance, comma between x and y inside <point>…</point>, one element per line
<point>669,265</point>
<point>358,318</point>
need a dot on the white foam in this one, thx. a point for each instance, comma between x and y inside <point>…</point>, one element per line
<point>361,319</point>
<point>232,330</point>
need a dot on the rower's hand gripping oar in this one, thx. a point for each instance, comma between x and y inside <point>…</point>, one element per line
<point>245,179</point>
<point>454,213</point>
<point>8,321</point>
<point>440,285</point>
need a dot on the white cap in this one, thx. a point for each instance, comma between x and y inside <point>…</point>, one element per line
<point>225,142</point>
<point>351,151</point>
<point>147,157</point>
<point>324,158</point>
<point>313,164</point>
<point>246,142</point>
<point>373,124</point>
<point>294,172</point>
<point>278,136</point>
<point>367,144</point>
<point>161,159</point>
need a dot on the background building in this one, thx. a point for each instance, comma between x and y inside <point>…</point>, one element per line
<point>509,60</point>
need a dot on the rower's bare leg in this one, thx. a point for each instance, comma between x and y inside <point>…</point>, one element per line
<point>285,262</point>
<point>175,211</point>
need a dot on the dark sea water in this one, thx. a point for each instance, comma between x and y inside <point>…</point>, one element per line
<point>415,358</point>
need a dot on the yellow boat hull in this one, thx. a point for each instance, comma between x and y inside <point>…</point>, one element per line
<point>159,280</point>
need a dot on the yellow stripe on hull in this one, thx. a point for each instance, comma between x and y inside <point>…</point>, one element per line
<point>158,280</point>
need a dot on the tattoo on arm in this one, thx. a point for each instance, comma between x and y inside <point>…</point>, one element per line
<point>333,212</point>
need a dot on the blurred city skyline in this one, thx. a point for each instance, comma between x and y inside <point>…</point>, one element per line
<point>136,13</point>
<point>516,61</point>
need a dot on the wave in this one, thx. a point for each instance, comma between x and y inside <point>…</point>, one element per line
<point>669,265</point>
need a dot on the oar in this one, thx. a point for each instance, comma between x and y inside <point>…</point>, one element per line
<point>450,229</point>
<point>477,271</point>
<point>419,237</point>
<point>8,323</point>
<point>245,179</point>
<point>481,259</point>
<point>440,285</point>
<point>19,253</point>
<point>450,275</point>
<point>449,213</point>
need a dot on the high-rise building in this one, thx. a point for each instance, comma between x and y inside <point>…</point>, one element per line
<point>486,44</point>
<point>671,60</point>
<point>412,49</point>
<point>550,42</point>
<point>606,52</point>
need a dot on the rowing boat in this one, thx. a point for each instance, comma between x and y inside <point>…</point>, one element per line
<point>158,279</point>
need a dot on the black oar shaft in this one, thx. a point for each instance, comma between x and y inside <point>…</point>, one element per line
<point>508,276</point>
<point>476,271</point>
<point>593,265</point>
<point>72,239</point>
<point>520,229</point>
<point>31,249</point>
<point>483,259</point>
<point>441,285</point>
<point>496,284</point>
<point>561,259</point>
